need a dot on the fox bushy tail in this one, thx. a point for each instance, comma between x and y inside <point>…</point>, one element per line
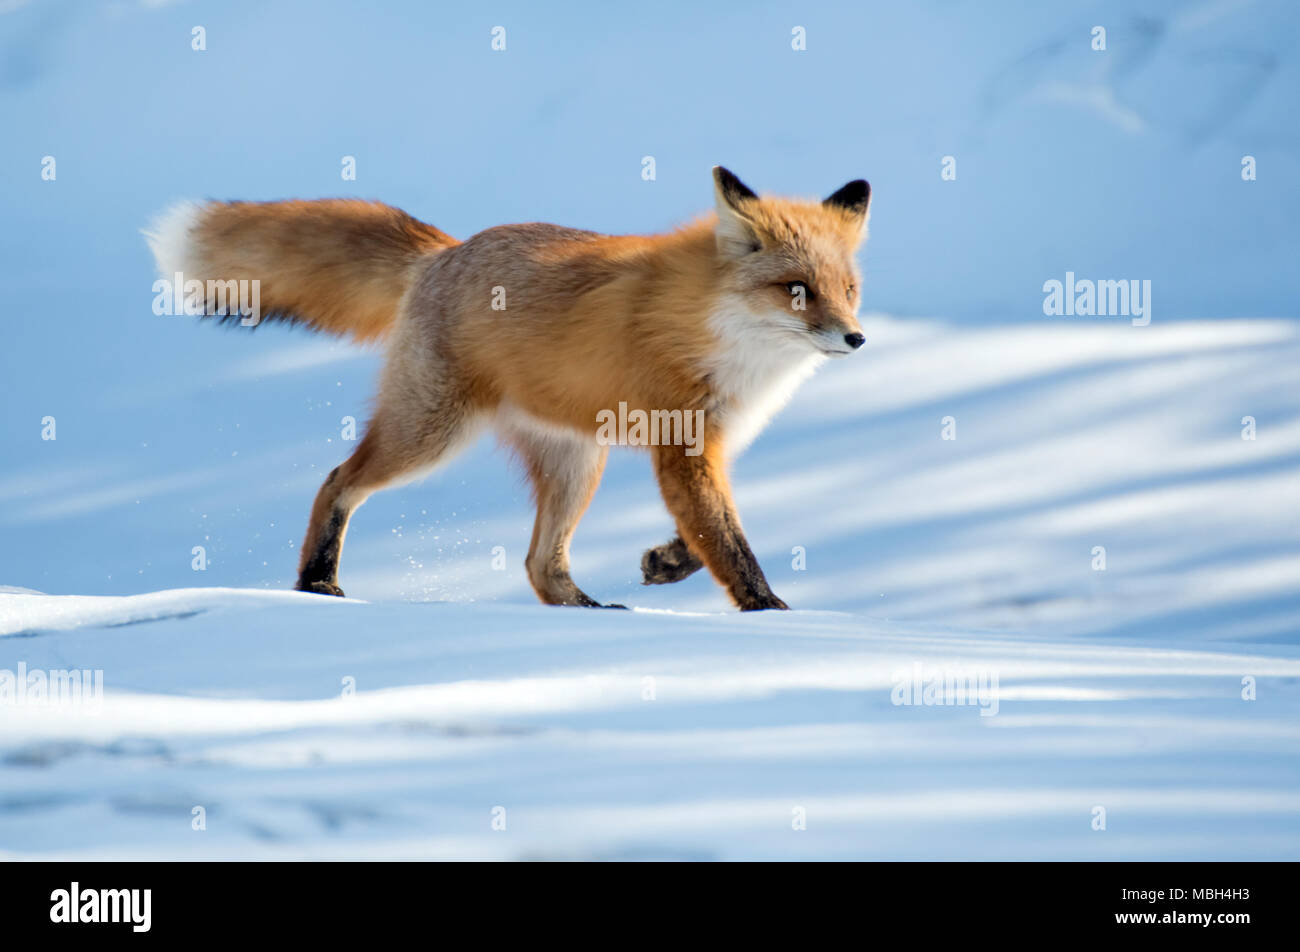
<point>335,265</point>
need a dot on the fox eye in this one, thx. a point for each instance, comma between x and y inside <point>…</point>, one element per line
<point>850,291</point>
<point>795,287</point>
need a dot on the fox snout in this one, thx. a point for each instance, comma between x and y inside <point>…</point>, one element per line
<point>838,340</point>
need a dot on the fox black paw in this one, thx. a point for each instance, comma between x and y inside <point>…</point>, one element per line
<point>320,588</point>
<point>667,563</point>
<point>763,603</point>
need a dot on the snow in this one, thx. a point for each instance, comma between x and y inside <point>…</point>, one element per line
<point>460,709</point>
<point>1163,688</point>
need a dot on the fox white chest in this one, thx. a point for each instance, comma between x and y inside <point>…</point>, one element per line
<point>758,367</point>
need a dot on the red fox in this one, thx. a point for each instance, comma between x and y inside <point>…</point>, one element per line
<point>542,332</point>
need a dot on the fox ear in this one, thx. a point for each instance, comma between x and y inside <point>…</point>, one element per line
<point>854,199</point>
<point>736,233</point>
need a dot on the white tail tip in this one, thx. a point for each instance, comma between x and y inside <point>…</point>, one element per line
<point>170,238</point>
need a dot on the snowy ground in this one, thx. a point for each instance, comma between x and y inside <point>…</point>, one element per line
<point>703,733</point>
<point>461,709</point>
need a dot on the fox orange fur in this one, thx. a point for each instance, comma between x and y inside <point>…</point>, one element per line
<point>537,329</point>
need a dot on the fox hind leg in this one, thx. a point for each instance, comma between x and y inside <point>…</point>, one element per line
<point>565,472</point>
<point>338,498</point>
<point>386,454</point>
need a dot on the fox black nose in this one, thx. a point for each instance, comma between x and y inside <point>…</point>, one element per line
<point>855,340</point>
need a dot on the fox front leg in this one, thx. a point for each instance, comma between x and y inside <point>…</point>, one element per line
<point>697,494</point>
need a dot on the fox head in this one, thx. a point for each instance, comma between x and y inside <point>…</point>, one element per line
<point>792,262</point>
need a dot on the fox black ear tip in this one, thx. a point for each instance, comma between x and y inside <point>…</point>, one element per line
<point>855,195</point>
<point>731,184</point>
